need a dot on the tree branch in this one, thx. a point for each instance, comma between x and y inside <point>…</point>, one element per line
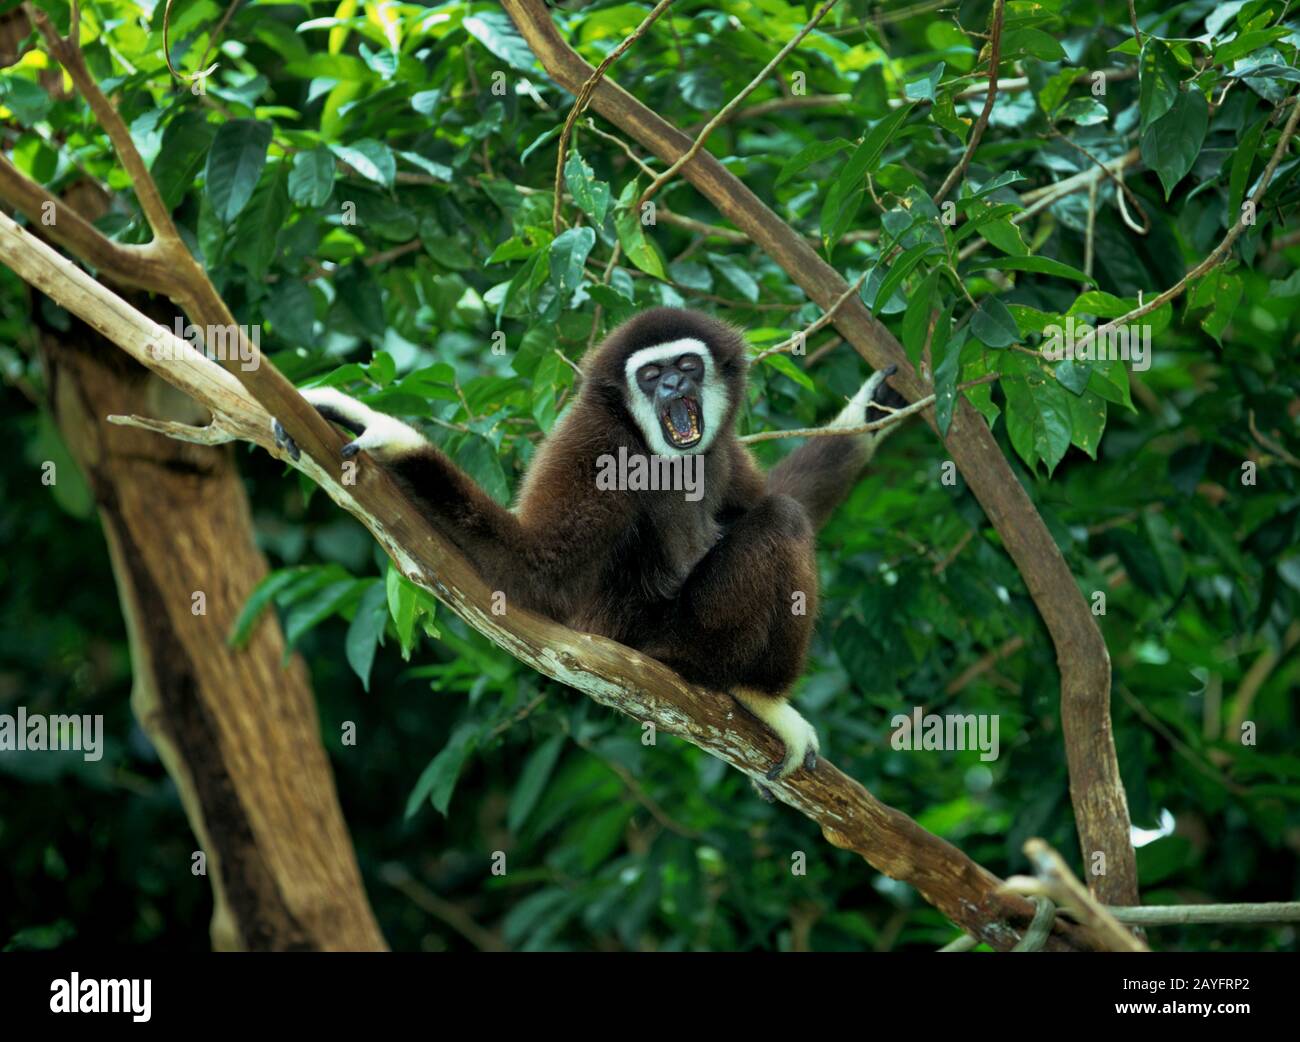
<point>1101,809</point>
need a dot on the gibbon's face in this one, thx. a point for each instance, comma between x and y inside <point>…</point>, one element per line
<point>676,396</point>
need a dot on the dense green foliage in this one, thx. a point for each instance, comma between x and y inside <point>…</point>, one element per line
<point>372,185</point>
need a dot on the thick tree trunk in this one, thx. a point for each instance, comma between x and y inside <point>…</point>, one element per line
<point>237,732</point>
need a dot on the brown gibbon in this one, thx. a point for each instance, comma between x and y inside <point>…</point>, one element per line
<point>721,587</point>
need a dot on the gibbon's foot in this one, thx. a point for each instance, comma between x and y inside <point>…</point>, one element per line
<point>764,793</point>
<point>283,441</point>
<point>882,394</point>
<point>796,733</point>
<point>382,436</point>
<point>862,407</point>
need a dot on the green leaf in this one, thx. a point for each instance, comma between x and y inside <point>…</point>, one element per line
<point>28,101</point>
<point>403,607</point>
<point>1056,88</point>
<point>312,177</point>
<point>1172,143</point>
<point>569,253</point>
<point>532,780</point>
<point>923,87</point>
<point>842,202</point>
<point>258,228</point>
<point>311,611</point>
<point>916,319</point>
<point>1243,158</point>
<point>1034,42</point>
<point>1160,534</point>
<point>945,383</point>
<point>185,142</point>
<point>480,459</point>
<point>1158,77</point>
<point>438,781</point>
<point>730,269</point>
<point>550,377</point>
<point>367,630</point>
<point>1224,290</point>
<point>263,594</point>
<point>291,310</point>
<point>1086,112</point>
<point>495,31</point>
<point>993,325</point>
<point>1087,419</point>
<point>631,234</point>
<point>701,89</point>
<point>359,294</point>
<point>1038,417</point>
<point>808,155</point>
<point>372,159</point>
<point>235,163</point>
<point>1005,235</point>
<point>592,196</point>
<point>902,267</point>
<point>1038,265</point>
<point>785,367</point>
<point>1245,43</point>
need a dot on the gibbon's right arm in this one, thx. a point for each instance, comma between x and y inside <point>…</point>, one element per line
<point>822,471</point>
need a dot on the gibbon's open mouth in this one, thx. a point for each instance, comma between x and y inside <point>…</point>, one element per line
<point>681,421</point>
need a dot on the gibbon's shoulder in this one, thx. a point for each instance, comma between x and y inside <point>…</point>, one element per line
<point>604,365</point>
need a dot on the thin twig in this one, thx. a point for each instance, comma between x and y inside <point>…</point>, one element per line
<point>584,96</point>
<point>977,131</point>
<point>862,428</point>
<point>1216,255</point>
<point>1118,177</point>
<point>828,317</point>
<point>734,103</point>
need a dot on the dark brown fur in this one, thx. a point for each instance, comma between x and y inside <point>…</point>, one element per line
<point>705,587</point>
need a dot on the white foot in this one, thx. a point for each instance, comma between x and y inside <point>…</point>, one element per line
<point>796,733</point>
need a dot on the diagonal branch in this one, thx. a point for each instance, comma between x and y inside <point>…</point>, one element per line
<point>1101,808</point>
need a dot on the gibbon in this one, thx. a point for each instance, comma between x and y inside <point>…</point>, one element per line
<point>722,589</point>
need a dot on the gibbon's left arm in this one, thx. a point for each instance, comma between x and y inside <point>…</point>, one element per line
<point>822,471</point>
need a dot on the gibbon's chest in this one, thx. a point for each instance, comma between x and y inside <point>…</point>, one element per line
<point>679,526</point>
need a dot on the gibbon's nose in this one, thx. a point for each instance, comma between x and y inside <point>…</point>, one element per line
<point>673,384</point>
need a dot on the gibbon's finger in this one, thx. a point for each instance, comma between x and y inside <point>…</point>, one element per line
<point>283,441</point>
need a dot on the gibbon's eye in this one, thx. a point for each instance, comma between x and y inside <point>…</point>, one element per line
<point>649,373</point>
<point>688,363</point>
